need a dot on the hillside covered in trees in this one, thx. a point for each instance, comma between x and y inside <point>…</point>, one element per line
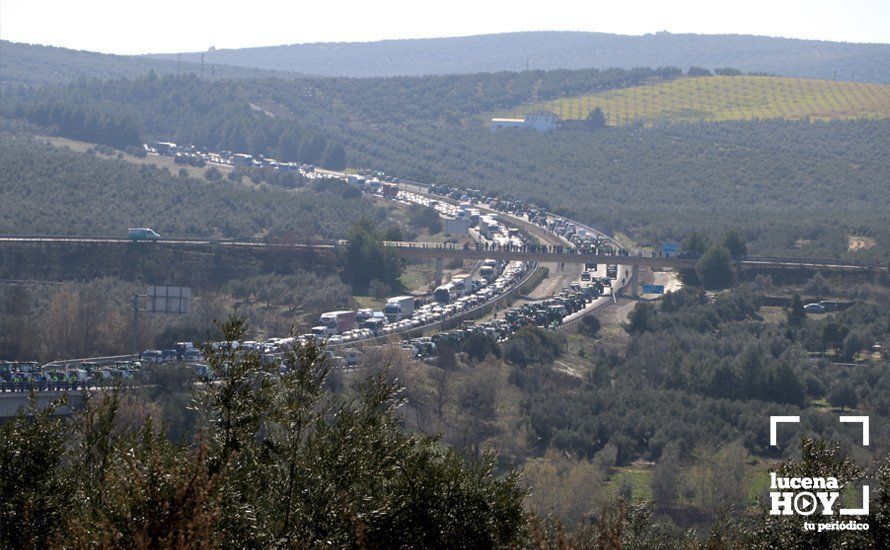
<point>791,187</point>
<point>565,50</point>
<point>34,64</point>
<point>185,109</point>
<point>45,190</point>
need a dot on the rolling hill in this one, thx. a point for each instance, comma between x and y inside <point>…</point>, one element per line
<point>33,64</point>
<point>565,50</point>
<point>719,98</point>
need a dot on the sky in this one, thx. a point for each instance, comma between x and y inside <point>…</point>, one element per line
<point>164,26</point>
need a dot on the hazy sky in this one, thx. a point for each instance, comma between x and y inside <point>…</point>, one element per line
<point>169,26</point>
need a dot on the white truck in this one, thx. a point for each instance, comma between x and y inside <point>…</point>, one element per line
<point>337,322</point>
<point>398,308</point>
<point>460,285</point>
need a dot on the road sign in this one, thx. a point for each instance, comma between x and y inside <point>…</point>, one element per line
<point>169,299</point>
<point>670,248</point>
<point>653,289</point>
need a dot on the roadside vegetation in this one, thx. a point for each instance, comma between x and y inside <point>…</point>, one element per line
<point>789,187</point>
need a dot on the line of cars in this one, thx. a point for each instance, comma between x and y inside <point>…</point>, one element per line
<point>181,351</point>
<point>458,295</point>
<point>552,312</point>
<point>548,313</point>
<point>20,376</point>
<point>199,156</point>
<point>583,239</point>
<point>403,313</point>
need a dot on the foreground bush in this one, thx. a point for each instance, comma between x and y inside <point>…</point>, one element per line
<point>278,461</point>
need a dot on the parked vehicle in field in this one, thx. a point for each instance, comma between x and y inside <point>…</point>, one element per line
<point>142,234</point>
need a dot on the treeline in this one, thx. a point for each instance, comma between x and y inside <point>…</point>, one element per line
<point>701,371</point>
<point>184,109</point>
<point>564,50</point>
<point>75,122</point>
<point>49,65</point>
<point>743,363</point>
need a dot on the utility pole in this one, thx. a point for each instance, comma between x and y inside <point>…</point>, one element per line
<point>135,321</point>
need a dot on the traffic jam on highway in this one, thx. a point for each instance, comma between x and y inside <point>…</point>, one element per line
<point>450,311</point>
<point>465,295</point>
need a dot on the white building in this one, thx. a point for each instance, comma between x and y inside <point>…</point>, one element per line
<point>541,121</point>
<point>501,123</point>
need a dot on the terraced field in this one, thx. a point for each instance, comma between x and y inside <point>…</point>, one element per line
<point>717,98</point>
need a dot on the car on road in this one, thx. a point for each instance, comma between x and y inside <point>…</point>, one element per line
<point>814,308</point>
<point>142,234</point>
